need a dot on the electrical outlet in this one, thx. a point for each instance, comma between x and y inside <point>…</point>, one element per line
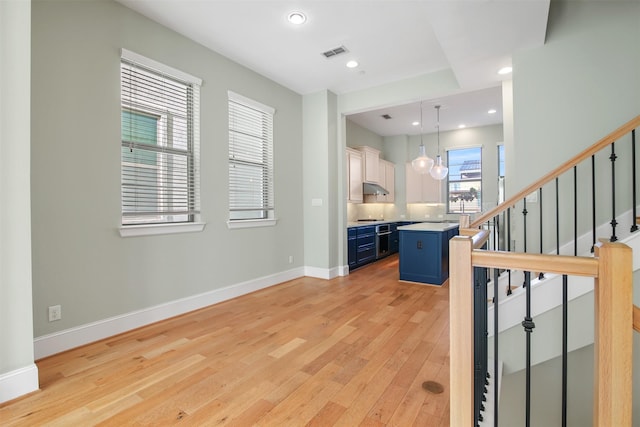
<point>55,313</point>
<point>290,259</point>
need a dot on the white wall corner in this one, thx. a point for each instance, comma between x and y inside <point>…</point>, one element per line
<point>57,342</point>
<point>18,382</point>
<point>343,270</point>
<point>324,273</point>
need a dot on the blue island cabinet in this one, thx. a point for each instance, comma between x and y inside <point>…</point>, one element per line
<point>424,252</point>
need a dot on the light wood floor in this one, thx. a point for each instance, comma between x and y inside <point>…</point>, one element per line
<point>347,352</point>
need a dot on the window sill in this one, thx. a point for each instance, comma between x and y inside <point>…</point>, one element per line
<point>251,223</point>
<point>156,229</point>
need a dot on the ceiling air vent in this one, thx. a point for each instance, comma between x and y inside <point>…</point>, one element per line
<point>333,52</point>
<point>386,116</point>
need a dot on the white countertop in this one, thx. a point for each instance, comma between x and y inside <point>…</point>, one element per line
<point>429,226</point>
<point>378,222</point>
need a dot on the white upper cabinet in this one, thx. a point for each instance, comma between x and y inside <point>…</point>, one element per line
<point>371,160</point>
<point>354,175</point>
<point>387,174</point>
<point>421,188</point>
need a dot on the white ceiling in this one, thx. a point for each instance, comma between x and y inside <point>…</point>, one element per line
<point>391,39</point>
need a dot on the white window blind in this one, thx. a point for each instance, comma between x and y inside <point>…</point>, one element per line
<point>250,159</point>
<point>159,142</point>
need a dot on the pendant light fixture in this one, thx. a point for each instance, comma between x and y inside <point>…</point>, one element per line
<point>439,172</point>
<point>423,163</point>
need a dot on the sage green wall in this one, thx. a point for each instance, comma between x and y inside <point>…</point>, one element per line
<point>16,323</point>
<point>79,259</point>
<point>320,170</point>
<point>578,87</point>
<point>358,136</point>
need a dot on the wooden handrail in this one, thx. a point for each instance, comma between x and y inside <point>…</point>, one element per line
<point>478,237</point>
<point>558,264</point>
<point>602,143</point>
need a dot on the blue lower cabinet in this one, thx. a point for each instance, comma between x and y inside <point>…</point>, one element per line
<point>365,245</point>
<point>361,246</point>
<point>424,255</point>
<point>394,239</point>
<point>352,246</point>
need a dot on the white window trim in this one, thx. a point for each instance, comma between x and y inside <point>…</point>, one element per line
<point>159,66</point>
<point>158,229</point>
<point>270,221</point>
<point>132,230</point>
<point>250,102</point>
<point>251,223</point>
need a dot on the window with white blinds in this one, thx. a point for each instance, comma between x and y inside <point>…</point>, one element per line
<point>159,142</point>
<point>250,159</point>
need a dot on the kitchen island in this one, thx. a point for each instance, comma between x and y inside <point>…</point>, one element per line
<point>424,251</point>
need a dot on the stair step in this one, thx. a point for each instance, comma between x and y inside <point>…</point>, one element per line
<point>495,381</point>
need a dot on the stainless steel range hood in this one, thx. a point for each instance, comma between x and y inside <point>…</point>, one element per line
<point>370,189</point>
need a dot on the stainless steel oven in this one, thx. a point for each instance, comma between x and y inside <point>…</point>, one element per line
<point>383,240</point>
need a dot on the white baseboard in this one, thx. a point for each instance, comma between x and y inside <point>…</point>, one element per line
<point>57,342</point>
<point>324,273</point>
<point>343,270</point>
<point>18,382</point>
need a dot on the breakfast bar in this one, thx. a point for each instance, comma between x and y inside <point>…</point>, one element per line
<point>424,251</point>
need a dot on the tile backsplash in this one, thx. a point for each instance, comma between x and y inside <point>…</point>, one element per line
<point>413,211</point>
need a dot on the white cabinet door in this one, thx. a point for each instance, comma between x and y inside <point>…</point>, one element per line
<point>431,192</point>
<point>354,175</point>
<point>371,164</point>
<point>422,188</point>
<point>413,184</point>
<point>388,170</point>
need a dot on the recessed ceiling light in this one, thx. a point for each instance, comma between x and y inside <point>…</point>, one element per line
<point>505,70</point>
<point>352,64</point>
<point>462,126</point>
<point>415,123</point>
<point>297,18</point>
<point>491,111</point>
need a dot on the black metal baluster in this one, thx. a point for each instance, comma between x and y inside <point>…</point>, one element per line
<point>557,218</point>
<point>524,216</point>
<point>495,348</point>
<point>593,201</point>
<point>509,291</point>
<point>528,326</point>
<point>565,349</point>
<point>613,222</point>
<point>634,227</point>
<point>480,340</point>
<point>575,211</point>
<point>524,236</point>
<point>541,274</point>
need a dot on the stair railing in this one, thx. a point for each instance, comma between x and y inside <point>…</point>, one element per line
<point>611,268</point>
<point>503,220</point>
<point>627,128</point>
<point>525,263</point>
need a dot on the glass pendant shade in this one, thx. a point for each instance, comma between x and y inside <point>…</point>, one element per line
<point>423,163</point>
<point>439,172</point>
